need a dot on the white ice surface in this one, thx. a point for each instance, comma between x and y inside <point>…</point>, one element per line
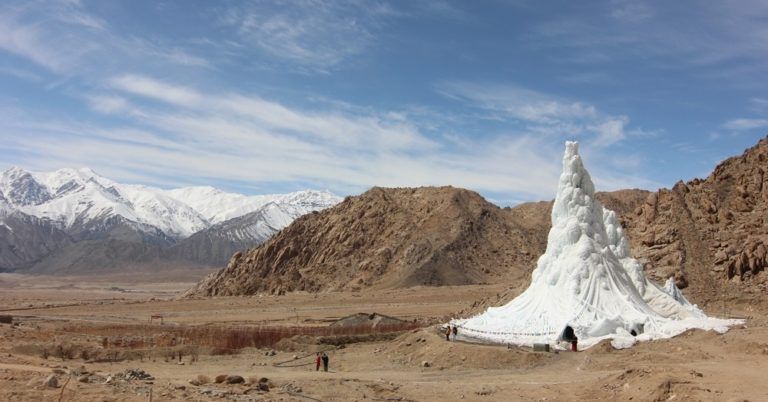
<point>586,279</point>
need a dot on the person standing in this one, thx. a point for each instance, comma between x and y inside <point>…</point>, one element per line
<point>448,333</point>
<point>317,362</point>
<point>455,332</point>
<point>325,361</point>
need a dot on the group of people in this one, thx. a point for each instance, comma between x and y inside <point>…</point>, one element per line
<point>321,357</point>
<point>451,330</point>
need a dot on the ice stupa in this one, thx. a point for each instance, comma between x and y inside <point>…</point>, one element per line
<point>586,280</point>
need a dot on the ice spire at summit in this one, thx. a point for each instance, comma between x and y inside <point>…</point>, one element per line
<point>586,280</point>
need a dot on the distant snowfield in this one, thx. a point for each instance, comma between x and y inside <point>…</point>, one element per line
<point>77,196</point>
<point>587,280</point>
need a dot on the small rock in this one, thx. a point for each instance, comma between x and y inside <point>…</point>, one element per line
<point>180,363</point>
<point>235,379</point>
<point>51,382</point>
<point>83,378</point>
<point>485,391</point>
<point>194,382</point>
<point>109,380</point>
<point>425,363</point>
<point>180,387</point>
<point>220,378</point>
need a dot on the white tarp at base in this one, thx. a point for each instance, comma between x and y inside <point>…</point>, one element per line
<point>586,279</point>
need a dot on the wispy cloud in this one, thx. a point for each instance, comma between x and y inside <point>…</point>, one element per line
<point>745,124</point>
<point>65,39</point>
<point>19,73</point>
<point>542,113</point>
<point>245,138</point>
<point>712,38</point>
<point>308,33</point>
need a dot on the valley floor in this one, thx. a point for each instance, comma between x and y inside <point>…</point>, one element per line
<point>694,366</point>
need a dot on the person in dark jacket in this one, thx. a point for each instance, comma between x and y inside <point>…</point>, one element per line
<point>325,361</point>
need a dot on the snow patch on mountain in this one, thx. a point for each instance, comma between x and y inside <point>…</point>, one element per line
<point>218,206</point>
<point>70,197</point>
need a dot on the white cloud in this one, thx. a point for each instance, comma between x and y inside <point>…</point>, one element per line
<point>357,132</point>
<point>544,114</point>
<point>630,11</point>
<point>611,131</point>
<point>308,33</point>
<point>19,73</point>
<point>759,105</point>
<point>158,90</point>
<point>67,40</point>
<point>196,137</point>
<point>712,39</point>
<point>745,124</point>
<point>107,104</point>
<point>517,102</point>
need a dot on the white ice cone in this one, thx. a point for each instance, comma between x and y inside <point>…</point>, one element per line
<point>587,280</point>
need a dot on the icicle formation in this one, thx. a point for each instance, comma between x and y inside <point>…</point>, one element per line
<point>586,280</point>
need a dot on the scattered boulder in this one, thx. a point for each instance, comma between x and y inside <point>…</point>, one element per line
<point>135,374</point>
<point>51,381</point>
<point>263,384</point>
<point>220,378</point>
<point>235,379</point>
<point>426,364</point>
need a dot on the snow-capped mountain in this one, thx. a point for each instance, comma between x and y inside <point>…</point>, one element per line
<point>86,206</point>
<point>218,206</point>
<point>72,196</point>
<point>216,244</point>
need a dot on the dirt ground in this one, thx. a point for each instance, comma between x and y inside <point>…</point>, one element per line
<point>415,365</point>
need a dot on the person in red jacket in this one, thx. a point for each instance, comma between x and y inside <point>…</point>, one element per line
<point>317,362</point>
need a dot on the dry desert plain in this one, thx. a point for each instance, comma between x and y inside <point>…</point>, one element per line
<point>92,333</point>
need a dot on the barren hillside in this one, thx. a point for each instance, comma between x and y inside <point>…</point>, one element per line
<point>708,231</point>
<point>389,238</point>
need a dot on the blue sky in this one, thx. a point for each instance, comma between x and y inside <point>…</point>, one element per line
<point>261,96</point>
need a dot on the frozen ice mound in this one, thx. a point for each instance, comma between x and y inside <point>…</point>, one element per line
<point>587,280</point>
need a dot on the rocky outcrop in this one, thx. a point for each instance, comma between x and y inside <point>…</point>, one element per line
<point>706,231</point>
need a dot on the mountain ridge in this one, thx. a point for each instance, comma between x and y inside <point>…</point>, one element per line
<point>84,206</point>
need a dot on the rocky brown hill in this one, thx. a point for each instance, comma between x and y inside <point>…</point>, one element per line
<point>386,238</point>
<point>710,234</point>
<point>708,231</point>
<point>402,237</point>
